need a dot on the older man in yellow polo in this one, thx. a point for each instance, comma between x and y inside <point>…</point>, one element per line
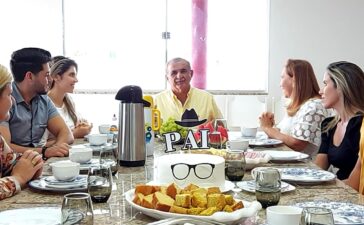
<point>181,96</point>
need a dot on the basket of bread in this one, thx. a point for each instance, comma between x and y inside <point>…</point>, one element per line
<point>193,201</point>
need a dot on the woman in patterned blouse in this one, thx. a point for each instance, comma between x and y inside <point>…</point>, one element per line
<point>15,170</point>
<point>300,129</point>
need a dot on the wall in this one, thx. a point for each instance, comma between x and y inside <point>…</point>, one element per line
<point>320,31</point>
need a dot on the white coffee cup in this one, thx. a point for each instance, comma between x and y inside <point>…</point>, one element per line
<point>249,132</point>
<point>80,154</point>
<point>238,144</point>
<point>283,215</point>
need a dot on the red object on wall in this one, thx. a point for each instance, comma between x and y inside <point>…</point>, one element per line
<point>199,42</point>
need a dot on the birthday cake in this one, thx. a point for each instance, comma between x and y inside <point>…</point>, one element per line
<point>183,169</point>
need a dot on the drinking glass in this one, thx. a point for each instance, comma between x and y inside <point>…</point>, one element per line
<point>215,140</point>
<point>108,156</point>
<point>268,186</point>
<point>235,167</point>
<point>99,183</point>
<point>316,216</point>
<point>77,209</point>
<point>220,122</point>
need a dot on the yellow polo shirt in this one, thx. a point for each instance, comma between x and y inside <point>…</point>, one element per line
<point>202,101</point>
<point>361,157</point>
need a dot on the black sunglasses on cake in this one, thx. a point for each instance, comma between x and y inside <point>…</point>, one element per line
<point>181,171</point>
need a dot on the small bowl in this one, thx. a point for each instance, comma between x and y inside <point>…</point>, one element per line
<point>104,128</point>
<point>63,170</point>
<point>283,215</point>
<point>97,139</point>
<point>238,144</point>
<point>80,154</point>
<point>249,132</point>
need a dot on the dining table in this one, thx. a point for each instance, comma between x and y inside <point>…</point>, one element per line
<point>118,211</point>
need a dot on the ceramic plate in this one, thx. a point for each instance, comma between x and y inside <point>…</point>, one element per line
<point>52,182</point>
<point>264,142</point>
<point>31,216</point>
<point>250,209</point>
<point>306,175</point>
<point>286,155</point>
<point>250,186</point>
<point>344,213</point>
<point>47,184</point>
<point>227,187</point>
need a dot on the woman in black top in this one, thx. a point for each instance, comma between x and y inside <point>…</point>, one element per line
<point>343,91</point>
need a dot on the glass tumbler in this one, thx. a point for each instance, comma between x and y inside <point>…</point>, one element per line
<point>99,183</point>
<point>235,168</point>
<point>77,209</point>
<point>108,156</point>
<point>316,216</point>
<point>215,140</point>
<point>268,186</point>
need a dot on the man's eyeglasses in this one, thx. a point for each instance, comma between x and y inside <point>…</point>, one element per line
<point>181,171</point>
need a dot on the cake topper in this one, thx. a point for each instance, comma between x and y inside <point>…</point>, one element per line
<point>190,119</point>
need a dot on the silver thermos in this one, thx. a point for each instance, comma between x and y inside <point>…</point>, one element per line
<point>131,137</point>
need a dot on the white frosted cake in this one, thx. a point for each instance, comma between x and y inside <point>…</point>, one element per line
<point>183,169</point>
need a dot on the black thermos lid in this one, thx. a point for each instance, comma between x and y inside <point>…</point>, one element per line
<point>131,94</point>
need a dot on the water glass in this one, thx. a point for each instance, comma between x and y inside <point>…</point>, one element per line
<point>268,186</point>
<point>235,167</point>
<point>77,209</point>
<point>215,140</point>
<point>99,183</point>
<point>220,122</point>
<point>316,216</point>
<point>108,156</point>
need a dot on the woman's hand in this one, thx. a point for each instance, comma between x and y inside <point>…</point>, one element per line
<point>266,120</point>
<point>81,129</point>
<point>29,166</point>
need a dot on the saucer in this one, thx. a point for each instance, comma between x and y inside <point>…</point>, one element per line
<point>52,182</point>
<point>249,186</point>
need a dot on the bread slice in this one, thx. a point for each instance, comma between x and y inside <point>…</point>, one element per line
<point>147,201</point>
<point>216,200</point>
<point>172,190</point>
<point>138,198</point>
<point>195,211</point>
<point>238,205</point>
<point>199,199</point>
<point>162,201</point>
<point>213,190</point>
<point>177,209</point>
<point>229,200</point>
<point>209,211</point>
<point>183,200</point>
<point>144,189</point>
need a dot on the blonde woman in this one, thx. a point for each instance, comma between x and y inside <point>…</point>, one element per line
<point>64,77</point>
<point>300,129</point>
<point>15,170</point>
<point>343,91</point>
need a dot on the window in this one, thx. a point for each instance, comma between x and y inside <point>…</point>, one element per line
<point>119,42</point>
<point>36,23</point>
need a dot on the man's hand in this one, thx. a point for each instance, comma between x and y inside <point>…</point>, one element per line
<point>57,150</point>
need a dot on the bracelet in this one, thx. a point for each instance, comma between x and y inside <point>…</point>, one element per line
<point>44,148</point>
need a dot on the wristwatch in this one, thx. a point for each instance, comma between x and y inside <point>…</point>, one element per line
<point>44,148</point>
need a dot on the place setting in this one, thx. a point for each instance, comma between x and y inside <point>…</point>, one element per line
<point>306,175</point>
<point>66,178</point>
